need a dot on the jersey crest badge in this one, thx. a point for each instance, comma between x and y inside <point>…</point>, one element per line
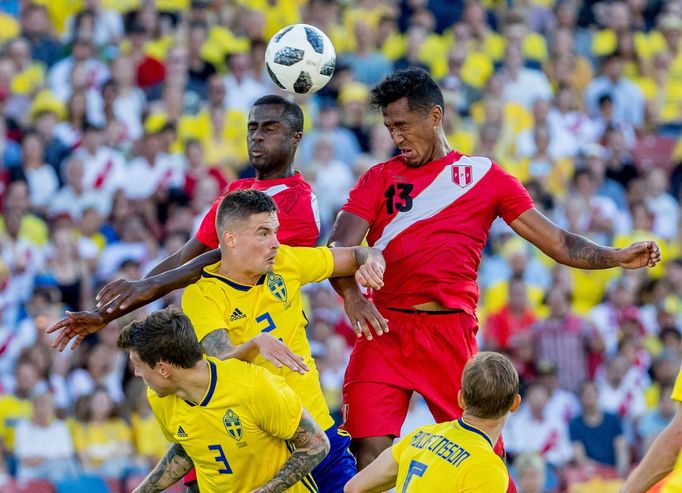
<point>462,175</point>
<point>277,287</point>
<point>233,424</point>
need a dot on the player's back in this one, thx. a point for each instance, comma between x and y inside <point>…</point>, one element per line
<point>449,457</point>
<point>236,436</point>
<point>297,210</point>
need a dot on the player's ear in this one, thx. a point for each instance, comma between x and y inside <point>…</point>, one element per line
<point>164,369</point>
<point>515,404</point>
<point>296,137</point>
<point>228,238</point>
<point>460,399</point>
<point>437,115</point>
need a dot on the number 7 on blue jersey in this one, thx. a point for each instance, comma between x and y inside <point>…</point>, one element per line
<point>416,469</point>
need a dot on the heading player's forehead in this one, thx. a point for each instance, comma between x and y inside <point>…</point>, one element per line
<point>398,112</point>
<point>267,113</point>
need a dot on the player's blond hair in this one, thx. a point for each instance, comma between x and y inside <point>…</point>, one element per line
<point>489,385</point>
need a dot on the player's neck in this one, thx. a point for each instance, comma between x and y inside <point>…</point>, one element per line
<point>276,174</point>
<point>192,383</point>
<point>443,148</point>
<point>229,269</point>
<point>491,427</point>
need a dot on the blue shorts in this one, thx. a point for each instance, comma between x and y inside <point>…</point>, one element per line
<point>332,474</point>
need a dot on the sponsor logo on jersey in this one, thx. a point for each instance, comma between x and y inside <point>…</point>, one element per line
<point>237,314</point>
<point>181,432</point>
<point>233,424</point>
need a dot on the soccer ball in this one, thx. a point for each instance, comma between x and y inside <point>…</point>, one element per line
<point>300,59</point>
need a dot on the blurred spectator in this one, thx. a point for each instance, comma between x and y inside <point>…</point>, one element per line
<point>565,339</point>
<point>515,318</point>
<point>242,87</point>
<point>35,27</point>
<point>369,66</point>
<point>103,441</point>
<point>530,473</point>
<point>106,27</point>
<point>550,434</point>
<point>619,391</point>
<point>81,52</point>
<point>654,421</point>
<point>346,147</point>
<point>618,306</point>
<point>628,103</point>
<point>522,85</point>
<point>41,177</point>
<point>597,436</point>
<point>43,444</point>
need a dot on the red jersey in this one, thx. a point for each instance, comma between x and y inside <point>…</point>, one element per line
<point>432,223</point>
<point>299,223</point>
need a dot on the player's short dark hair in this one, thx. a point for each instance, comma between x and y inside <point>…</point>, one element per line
<point>166,335</point>
<point>241,205</point>
<point>489,385</point>
<point>415,84</point>
<point>291,111</point>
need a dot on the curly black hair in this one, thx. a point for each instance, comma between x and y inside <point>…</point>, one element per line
<point>415,84</point>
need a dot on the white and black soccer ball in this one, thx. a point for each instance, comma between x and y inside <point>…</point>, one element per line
<point>300,59</point>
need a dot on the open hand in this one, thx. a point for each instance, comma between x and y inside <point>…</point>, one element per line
<point>363,315</point>
<point>78,325</point>
<point>278,353</point>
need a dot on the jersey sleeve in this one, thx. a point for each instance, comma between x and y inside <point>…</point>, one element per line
<point>398,449</point>
<point>158,410</point>
<point>677,390</point>
<point>205,312</point>
<point>366,196</point>
<point>513,199</point>
<point>276,408</point>
<point>311,264</point>
<point>207,233</point>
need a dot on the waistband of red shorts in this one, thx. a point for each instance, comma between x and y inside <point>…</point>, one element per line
<point>414,311</point>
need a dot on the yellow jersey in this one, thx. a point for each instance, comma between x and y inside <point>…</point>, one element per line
<point>274,305</point>
<point>236,436</point>
<point>451,456</point>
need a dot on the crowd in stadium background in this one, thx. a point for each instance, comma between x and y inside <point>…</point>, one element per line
<point>122,121</point>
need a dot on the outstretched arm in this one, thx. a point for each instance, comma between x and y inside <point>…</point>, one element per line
<point>311,445</point>
<point>122,297</point>
<point>576,251</point>
<point>349,230</point>
<point>379,476</point>
<point>190,250</point>
<point>174,465</point>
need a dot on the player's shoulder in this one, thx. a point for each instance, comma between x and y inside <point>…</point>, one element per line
<point>393,164</point>
<point>240,184</point>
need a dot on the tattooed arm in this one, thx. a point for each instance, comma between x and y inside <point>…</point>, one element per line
<point>311,445</point>
<point>174,465</point>
<point>575,251</point>
<point>218,345</point>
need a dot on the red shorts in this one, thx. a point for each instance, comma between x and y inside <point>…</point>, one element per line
<point>190,477</point>
<point>422,352</point>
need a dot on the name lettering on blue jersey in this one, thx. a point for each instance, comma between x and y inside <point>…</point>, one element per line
<point>446,449</point>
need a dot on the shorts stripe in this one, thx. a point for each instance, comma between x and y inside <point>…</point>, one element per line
<point>309,483</point>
